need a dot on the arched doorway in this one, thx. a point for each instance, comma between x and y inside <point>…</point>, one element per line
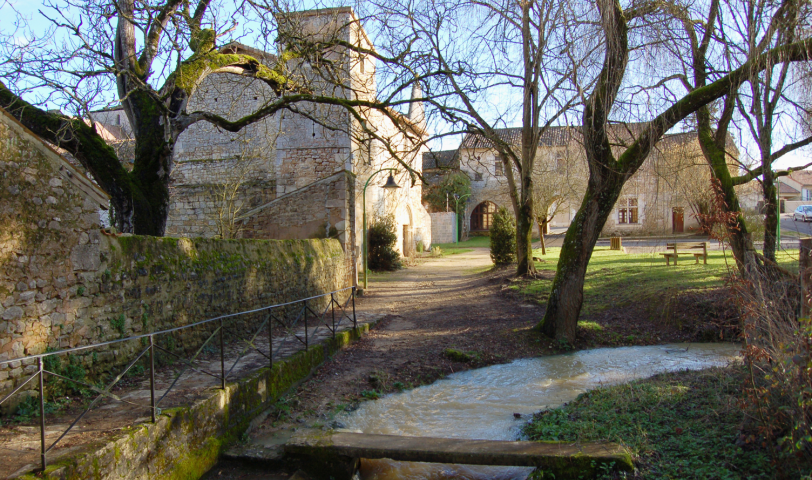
<point>482,216</point>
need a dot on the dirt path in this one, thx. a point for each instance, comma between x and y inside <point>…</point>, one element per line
<point>454,302</point>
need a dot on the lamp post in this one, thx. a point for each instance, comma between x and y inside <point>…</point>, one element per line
<point>389,185</point>
<point>457,212</point>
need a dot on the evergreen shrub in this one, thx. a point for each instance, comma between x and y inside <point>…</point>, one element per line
<point>382,237</point>
<point>503,237</point>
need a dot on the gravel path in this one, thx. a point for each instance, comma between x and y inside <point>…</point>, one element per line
<point>453,302</point>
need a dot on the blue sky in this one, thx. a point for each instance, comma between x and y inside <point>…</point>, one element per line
<point>29,8</point>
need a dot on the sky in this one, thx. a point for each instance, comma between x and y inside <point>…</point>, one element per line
<point>29,8</point>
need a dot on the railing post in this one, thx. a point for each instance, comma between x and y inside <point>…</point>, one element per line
<point>304,307</point>
<point>222,358</point>
<point>354,320</point>
<point>152,376</point>
<point>42,412</point>
<point>333,312</point>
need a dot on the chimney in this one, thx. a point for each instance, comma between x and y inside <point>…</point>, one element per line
<point>416,113</point>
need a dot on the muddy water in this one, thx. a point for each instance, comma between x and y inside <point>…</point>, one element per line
<point>480,404</point>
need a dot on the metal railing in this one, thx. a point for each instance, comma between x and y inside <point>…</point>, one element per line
<point>302,313</point>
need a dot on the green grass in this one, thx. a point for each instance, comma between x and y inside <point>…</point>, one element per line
<point>676,425</point>
<point>472,242</point>
<point>616,279</point>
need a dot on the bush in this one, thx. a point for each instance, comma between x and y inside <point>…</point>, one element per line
<point>503,237</point>
<point>452,184</point>
<point>382,237</point>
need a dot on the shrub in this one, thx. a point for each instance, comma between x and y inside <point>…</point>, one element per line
<point>503,237</point>
<point>452,184</point>
<point>382,237</point>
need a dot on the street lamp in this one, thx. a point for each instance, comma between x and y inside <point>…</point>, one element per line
<point>389,185</point>
<point>457,212</point>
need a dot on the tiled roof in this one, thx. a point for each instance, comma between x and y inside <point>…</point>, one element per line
<point>787,189</point>
<point>441,159</point>
<point>804,177</point>
<point>619,134</point>
<point>552,136</point>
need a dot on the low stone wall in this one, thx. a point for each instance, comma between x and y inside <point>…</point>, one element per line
<point>186,442</point>
<point>64,284</point>
<point>117,287</point>
<point>442,227</point>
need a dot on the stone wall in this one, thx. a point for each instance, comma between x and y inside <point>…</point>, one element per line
<point>197,210</point>
<point>63,283</point>
<point>442,227</point>
<point>309,212</point>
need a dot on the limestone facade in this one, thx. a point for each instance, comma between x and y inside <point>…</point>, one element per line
<point>664,190</point>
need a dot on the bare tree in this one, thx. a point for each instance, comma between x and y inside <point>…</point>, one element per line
<point>151,58</point>
<point>721,39</point>
<point>488,65</point>
<point>610,171</point>
<point>559,183</point>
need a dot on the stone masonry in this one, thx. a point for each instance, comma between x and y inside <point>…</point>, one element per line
<point>64,283</point>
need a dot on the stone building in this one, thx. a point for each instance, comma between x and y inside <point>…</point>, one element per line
<point>299,173</point>
<point>663,196</point>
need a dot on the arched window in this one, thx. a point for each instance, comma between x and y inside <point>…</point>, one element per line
<point>482,216</point>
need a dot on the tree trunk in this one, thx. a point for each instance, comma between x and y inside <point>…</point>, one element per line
<point>541,224</point>
<point>771,214</point>
<point>153,163</point>
<point>740,242</point>
<point>567,293</point>
<point>524,235</point>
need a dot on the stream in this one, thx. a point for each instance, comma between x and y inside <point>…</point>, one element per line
<point>481,403</point>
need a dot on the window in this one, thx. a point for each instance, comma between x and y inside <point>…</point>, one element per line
<point>499,167</point>
<point>482,216</point>
<point>627,211</point>
<point>560,166</point>
<point>806,194</point>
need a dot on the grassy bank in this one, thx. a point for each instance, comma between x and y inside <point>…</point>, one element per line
<point>632,299</point>
<point>676,425</point>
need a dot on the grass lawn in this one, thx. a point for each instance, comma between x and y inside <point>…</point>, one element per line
<point>616,279</point>
<point>676,425</point>
<point>463,247</point>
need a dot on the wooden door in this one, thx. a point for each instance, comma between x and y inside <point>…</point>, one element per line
<point>677,220</point>
<point>408,242</point>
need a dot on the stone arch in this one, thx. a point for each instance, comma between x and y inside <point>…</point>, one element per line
<point>482,216</point>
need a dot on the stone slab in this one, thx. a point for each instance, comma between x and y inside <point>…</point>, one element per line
<point>566,460</point>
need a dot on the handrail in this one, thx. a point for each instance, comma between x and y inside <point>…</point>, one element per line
<point>265,326</point>
<point>169,330</point>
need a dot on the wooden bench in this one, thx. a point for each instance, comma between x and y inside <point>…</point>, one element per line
<point>674,250</point>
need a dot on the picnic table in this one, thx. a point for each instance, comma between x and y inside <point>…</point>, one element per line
<point>675,249</point>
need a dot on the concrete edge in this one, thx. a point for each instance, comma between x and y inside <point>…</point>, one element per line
<point>186,442</point>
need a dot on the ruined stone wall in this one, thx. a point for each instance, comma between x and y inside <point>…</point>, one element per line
<point>309,212</point>
<point>210,162</point>
<point>63,283</point>
<point>315,211</point>
<point>197,210</point>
